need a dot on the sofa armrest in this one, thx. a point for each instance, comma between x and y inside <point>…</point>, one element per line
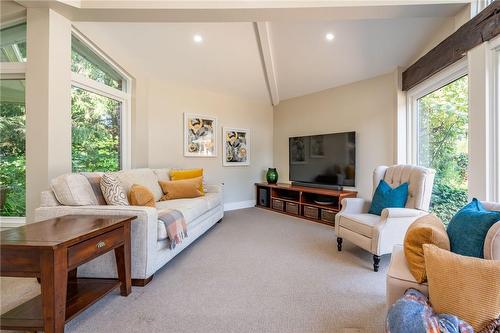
<point>401,212</point>
<point>143,234</point>
<point>355,206</point>
<point>214,188</point>
<point>492,242</point>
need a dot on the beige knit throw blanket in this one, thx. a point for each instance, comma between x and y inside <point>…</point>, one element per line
<point>175,225</point>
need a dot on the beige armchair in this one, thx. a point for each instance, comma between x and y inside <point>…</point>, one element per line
<point>379,234</point>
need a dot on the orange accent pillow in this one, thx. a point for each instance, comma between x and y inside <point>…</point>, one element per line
<point>184,188</point>
<point>141,196</point>
<point>187,174</point>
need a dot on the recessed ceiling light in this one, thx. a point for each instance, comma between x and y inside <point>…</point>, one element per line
<point>329,36</point>
<point>197,38</point>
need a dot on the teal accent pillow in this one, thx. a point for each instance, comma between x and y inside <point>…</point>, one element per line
<point>387,197</point>
<point>468,228</point>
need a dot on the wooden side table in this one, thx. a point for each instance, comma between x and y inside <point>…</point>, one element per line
<point>52,250</point>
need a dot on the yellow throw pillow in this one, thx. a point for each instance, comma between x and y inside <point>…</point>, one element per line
<point>466,287</point>
<point>187,174</point>
<point>428,229</point>
<point>141,196</point>
<point>179,189</point>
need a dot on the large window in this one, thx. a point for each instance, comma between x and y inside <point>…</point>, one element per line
<point>12,121</point>
<point>12,148</point>
<point>442,144</point>
<point>99,107</point>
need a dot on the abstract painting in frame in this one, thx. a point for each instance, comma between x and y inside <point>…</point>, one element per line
<point>200,135</point>
<point>236,150</point>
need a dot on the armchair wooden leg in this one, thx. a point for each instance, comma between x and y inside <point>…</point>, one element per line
<point>339,243</point>
<point>376,262</point>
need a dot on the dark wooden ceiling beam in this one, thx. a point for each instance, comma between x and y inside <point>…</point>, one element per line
<point>479,29</point>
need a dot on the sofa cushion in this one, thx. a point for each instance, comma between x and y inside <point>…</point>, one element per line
<point>464,286</point>
<point>360,223</point>
<point>387,197</point>
<point>112,190</point>
<point>468,229</point>
<point>144,177</point>
<point>179,189</point>
<point>141,196</point>
<point>94,179</point>
<point>73,189</point>
<point>187,174</point>
<point>428,229</point>
<point>162,174</point>
<point>190,208</point>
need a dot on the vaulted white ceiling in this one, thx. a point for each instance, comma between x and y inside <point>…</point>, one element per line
<point>232,59</point>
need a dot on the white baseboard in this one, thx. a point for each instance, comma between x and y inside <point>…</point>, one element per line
<point>238,205</point>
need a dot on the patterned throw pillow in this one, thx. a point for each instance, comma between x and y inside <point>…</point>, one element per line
<point>113,190</point>
<point>412,313</point>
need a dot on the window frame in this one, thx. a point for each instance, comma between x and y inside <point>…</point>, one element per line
<point>439,80</point>
<point>123,96</point>
<point>493,78</point>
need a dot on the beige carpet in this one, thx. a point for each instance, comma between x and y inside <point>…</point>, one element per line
<point>256,271</point>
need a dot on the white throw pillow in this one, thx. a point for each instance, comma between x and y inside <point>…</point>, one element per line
<point>73,189</point>
<point>113,191</point>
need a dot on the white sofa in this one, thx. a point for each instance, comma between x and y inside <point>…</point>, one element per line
<point>150,247</point>
<point>399,277</point>
<point>379,234</point>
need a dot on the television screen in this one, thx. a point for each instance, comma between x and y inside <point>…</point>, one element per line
<point>328,159</point>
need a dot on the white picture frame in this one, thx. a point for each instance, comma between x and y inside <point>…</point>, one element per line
<point>236,146</point>
<point>200,135</point>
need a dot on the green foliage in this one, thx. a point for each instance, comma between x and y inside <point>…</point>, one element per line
<point>95,132</point>
<point>443,129</point>
<point>95,137</point>
<point>12,159</point>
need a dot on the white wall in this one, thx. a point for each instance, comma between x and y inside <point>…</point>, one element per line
<point>367,107</point>
<point>166,103</point>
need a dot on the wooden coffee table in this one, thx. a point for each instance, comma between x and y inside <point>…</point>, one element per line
<point>52,250</point>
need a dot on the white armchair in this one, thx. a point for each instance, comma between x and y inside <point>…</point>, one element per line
<point>379,234</point>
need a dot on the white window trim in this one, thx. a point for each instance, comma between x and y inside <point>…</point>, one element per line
<point>123,96</point>
<point>447,75</point>
<point>493,77</point>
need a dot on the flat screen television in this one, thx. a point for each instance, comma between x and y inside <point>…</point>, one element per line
<point>326,159</point>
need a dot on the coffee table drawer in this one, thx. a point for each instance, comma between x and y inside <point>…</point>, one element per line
<point>89,249</point>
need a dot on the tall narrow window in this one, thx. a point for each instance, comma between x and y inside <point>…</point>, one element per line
<point>442,144</point>
<point>99,99</point>
<point>12,148</point>
<point>95,131</point>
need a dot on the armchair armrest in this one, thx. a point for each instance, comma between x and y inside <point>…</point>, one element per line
<point>355,206</point>
<point>401,212</point>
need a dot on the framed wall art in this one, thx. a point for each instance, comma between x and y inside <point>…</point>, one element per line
<point>236,146</point>
<point>200,135</point>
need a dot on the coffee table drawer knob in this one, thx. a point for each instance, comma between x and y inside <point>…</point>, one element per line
<point>101,244</point>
